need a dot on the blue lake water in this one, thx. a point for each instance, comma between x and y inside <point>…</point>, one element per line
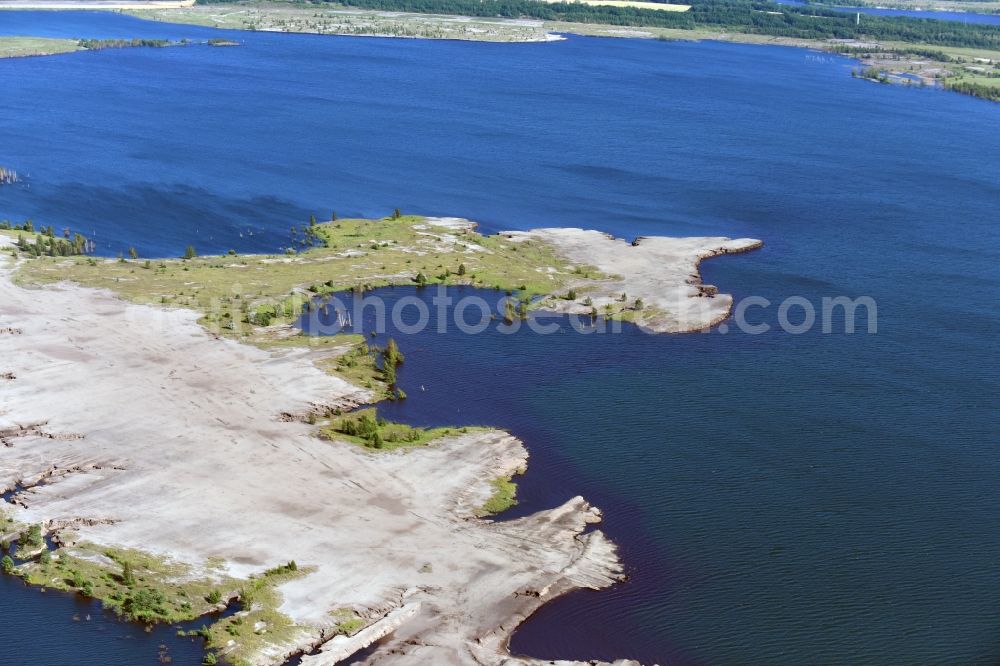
<point>961,17</point>
<point>53,628</point>
<point>50,627</point>
<point>777,498</point>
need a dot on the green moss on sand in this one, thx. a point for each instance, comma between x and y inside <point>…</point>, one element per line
<point>504,497</point>
<point>365,428</point>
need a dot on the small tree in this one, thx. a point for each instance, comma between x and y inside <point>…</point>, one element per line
<point>190,252</point>
<point>396,214</point>
<point>133,254</point>
<point>638,304</point>
<point>333,216</point>
<point>7,564</point>
<point>392,353</point>
<point>571,295</point>
<point>421,280</point>
<point>32,538</point>
<point>461,269</point>
<point>312,220</point>
<point>389,371</point>
<point>128,576</point>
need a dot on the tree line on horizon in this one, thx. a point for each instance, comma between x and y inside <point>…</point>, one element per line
<point>748,16</point>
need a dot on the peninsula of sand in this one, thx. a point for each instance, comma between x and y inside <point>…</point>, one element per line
<point>181,448</point>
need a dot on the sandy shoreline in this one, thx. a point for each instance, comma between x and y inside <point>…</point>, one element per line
<point>661,271</point>
<point>161,437</point>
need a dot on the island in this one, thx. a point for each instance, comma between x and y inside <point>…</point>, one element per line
<point>175,446</point>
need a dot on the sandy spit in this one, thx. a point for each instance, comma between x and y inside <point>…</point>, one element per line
<point>160,437</point>
<point>661,271</point>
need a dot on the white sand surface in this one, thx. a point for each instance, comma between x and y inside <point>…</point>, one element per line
<point>662,271</point>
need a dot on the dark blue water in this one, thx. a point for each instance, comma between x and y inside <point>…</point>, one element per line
<point>777,498</point>
<point>50,627</point>
<point>961,17</point>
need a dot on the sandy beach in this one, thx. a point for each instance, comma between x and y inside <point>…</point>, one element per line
<point>661,271</point>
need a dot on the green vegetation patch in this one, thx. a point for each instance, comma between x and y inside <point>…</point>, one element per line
<point>148,589</point>
<point>365,428</point>
<point>259,624</point>
<point>43,242</point>
<point>985,85</point>
<point>239,296</point>
<point>504,497</point>
<point>19,47</point>
<point>133,584</point>
<point>348,622</point>
<point>98,44</point>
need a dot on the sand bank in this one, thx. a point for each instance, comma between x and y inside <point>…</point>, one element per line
<point>159,436</point>
<point>662,272</point>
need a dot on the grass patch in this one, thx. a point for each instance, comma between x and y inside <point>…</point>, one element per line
<point>259,624</point>
<point>239,295</point>
<point>359,365</point>
<point>20,47</point>
<point>365,428</point>
<point>343,341</point>
<point>348,622</point>
<point>504,497</point>
<point>133,584</point>
<point>147,589</point>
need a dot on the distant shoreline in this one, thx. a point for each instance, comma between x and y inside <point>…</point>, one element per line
<point>95,4</point>
<point>960,69</point>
